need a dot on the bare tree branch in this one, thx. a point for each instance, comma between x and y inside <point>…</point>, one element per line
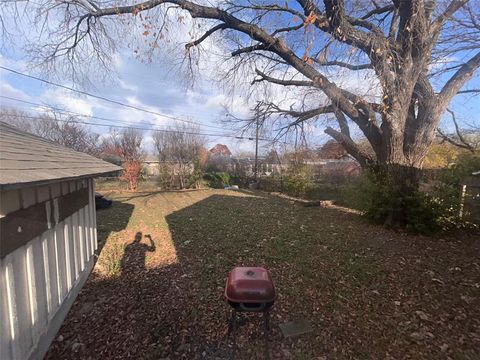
<point>342,121</point>
<point>379,10</point>
<point>343,64</point>
<point>458,79</point>
<point>206,35</point>
<point>362,157</point>
<point>249,49</point>
<point>469,91</point>
<point>449,11</point>
<point>265,77</point>
<point>462,142</point>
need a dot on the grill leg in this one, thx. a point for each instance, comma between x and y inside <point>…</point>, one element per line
<point>234,333</point>
<point>230,322</point>
<point>266,320</point>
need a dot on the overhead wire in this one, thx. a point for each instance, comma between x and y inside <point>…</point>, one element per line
<point>127,106</point>
<point>54,108</point>
<point>116,102</point>
<point>147,129</point>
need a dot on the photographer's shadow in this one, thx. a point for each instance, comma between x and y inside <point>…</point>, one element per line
<point>134,257</point>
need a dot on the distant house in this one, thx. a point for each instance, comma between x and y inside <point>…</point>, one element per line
<point>221,150</point>
<point>336,170</point>
<point>47,237</point>
<point>332,150</point>
<point>151,164</point>
<point>335,163</point>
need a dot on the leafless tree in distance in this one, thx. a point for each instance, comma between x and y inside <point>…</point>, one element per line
<point>179,148</point>
<point>64,130</point>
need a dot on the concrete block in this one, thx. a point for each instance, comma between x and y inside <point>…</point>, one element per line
<point>296,327</point>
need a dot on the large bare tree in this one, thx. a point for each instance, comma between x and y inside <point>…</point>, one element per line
<point>417,55</point>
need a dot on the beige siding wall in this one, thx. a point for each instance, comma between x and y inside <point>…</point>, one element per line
<point>40,280</point>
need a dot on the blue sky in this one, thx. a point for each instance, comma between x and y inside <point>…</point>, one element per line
<point>139,84</point>
<point>154,86</point>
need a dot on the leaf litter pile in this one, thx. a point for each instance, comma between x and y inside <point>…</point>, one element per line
<point>156,291</point>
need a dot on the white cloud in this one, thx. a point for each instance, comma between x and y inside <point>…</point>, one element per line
<point>127,86</point>
<point>64,99</point>
<point>8,90</point>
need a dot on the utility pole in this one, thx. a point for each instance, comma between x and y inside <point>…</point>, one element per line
<point>257,116</point>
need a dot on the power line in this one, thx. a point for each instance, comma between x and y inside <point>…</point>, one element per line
<point>146,129</point>
<point>74,113</point>
<point>128,106</point>
<point>125,122</point>
<point>106,99</point>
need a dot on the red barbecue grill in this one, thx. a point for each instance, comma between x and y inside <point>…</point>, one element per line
<point>249,289</point>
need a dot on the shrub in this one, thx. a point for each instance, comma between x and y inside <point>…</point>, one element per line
<point>131,173</point>
<point>447,190</point>
<point>425,213</point>
<point>298,180</point>
<point>143,176</point>
<point>238,180</point>
<point>217,180</point>
<point>379,200</point>
<point>165,177</point>
<point>195,179</point>
<point>270,184</point>
<point>327,191</point>
<point>465,165</point>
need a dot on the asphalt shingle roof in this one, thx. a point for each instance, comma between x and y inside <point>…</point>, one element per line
<point>26,159</point>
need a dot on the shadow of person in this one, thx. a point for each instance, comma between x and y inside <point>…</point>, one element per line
<point>133,260</point>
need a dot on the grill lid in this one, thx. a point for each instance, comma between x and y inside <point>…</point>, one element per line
<point>249,285</point>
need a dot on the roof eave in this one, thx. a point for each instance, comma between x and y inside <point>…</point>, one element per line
<point>16,186</point>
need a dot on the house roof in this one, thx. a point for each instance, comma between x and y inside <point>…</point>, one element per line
<point>221,149</point>
<point>26,159</point>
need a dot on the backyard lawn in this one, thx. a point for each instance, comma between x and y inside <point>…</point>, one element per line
<point>157,289</point>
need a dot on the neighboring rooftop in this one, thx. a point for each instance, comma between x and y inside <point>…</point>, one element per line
<point>221,150</point>
<point>332,150</point>
<point>27,158</point>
